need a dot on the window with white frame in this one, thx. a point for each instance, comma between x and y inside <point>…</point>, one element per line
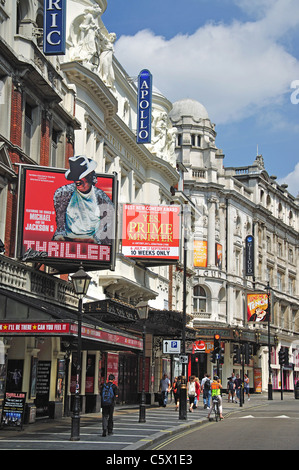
<point>199,299</point>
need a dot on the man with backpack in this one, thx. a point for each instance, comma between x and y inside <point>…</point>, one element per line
<point>108,394</point>
<point>206,389</point>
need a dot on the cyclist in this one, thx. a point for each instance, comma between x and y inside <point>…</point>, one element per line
<point>216,392</point>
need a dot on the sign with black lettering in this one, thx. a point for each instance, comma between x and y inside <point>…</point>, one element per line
<point>54,27</point>
<point>144,111</point>
<point>249,253</point>
<point>13,409</point>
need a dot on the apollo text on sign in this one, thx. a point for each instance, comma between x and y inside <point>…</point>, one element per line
<point>54,27</point>
<point>144,116</point>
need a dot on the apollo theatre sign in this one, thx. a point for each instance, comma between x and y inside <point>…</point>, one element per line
<point>54,27</point>
<point>144,115</point>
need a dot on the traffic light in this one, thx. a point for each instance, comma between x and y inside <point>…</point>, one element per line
<point>213,357</point>
<point>281,356</point>
<point>248,352</point>
<point>237,354</point>
<point>217,345</point>
<point>221,356</point>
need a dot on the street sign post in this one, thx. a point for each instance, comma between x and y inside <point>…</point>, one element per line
<point>183,359</point>
<point>171,346</point>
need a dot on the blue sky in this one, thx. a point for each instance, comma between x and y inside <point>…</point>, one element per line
<point>239,58</point>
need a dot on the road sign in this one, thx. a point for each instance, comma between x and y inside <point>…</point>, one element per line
<point>171,346</point>
<point>183,359</point>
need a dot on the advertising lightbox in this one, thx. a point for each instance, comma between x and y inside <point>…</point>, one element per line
<point>64,220</point>
<point>151,233</point>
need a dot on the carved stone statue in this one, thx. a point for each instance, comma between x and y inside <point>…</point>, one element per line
<point>163,137</point>
<point>90,43</point>
<point>106,59</point>
<point>82,39</point>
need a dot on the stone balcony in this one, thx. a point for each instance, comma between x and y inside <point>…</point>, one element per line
<point>25,279</point>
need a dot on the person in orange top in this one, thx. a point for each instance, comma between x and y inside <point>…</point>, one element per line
<point>216,388</point>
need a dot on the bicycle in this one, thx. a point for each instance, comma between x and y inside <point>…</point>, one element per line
<point>215,401</point>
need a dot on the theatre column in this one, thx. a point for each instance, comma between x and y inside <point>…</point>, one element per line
<point>212,201</point>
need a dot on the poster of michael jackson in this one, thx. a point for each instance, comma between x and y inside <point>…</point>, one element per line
<point>67,215</point>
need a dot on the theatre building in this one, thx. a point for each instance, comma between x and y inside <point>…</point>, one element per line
<point>57,108</point>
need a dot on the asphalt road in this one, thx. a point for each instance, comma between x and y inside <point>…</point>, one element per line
<point>269,426</point>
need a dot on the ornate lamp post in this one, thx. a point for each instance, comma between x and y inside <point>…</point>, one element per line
<point>268,289</point>
<point>80,282</point>
<point>143,308</point>
<point>183,390</point>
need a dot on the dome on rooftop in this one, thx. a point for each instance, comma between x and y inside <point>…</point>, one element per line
<point>188,107</point>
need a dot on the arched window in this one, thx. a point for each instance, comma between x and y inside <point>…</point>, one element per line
<point>199,299</point>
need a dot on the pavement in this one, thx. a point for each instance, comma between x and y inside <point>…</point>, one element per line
<point>128,433</point>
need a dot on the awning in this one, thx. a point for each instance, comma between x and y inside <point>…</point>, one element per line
<point>48,319</point>
<point>69,330</point>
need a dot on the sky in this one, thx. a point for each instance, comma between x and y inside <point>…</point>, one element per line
<point>239,58</point>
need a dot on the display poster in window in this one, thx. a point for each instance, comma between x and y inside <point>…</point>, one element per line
<point>257,307</point>
<point>90,370</point>
<point>67,216</point>
<point>112,365</point>
<point>200,253</point>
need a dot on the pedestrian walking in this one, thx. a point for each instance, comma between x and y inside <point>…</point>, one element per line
<point>197,393</point>
<point>238,388</point>
<point>246,386</point>
<point>191,391</point>
<point>165,388</point>
<point>176,388</point>
<point>231,389</point>
<point>109,393</point>
<point>206,390</point>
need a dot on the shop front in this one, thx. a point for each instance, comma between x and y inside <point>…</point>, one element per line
<point>39,357</point>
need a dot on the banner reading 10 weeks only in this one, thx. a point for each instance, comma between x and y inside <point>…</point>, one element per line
<point>151,232</point>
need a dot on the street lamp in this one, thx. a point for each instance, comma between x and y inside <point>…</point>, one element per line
<point>143,308</point>
<point>268,289</point>
<point>80,282</point>
<point>183,389</point>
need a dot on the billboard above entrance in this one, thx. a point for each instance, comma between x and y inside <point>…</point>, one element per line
<point>67,217</point>
<point>151,233</point>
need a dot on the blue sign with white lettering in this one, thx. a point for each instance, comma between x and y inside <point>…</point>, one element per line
<point>144,111</point>
<point>54,27</point>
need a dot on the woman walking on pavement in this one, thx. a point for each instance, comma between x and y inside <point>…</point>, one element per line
<point>197,392</point>
<point>191,391</point>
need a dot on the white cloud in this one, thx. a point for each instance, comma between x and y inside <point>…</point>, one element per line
<point>292,180</point>
<point>235,70</point>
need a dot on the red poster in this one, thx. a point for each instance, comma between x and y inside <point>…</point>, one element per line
<point>61,219</point>
<point>151,232</point>
<point>112,366</point>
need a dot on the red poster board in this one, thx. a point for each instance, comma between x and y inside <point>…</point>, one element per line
<point>151,232</point>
